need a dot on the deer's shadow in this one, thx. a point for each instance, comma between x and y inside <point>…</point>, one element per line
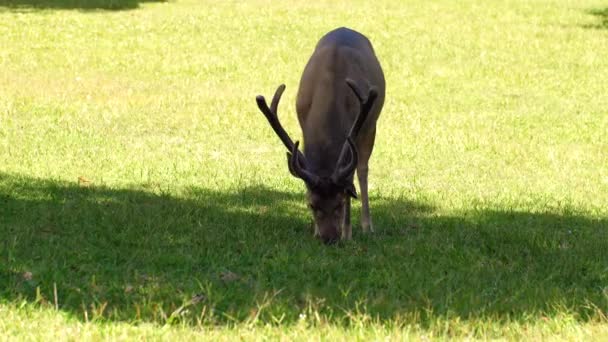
<point>139,254</point>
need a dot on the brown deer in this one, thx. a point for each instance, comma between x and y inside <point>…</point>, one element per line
<point>340,98</point>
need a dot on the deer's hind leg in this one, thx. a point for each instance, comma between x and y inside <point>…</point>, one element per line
<point>362,172</point>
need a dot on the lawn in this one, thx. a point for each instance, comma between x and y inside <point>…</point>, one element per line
<point>144,196</point>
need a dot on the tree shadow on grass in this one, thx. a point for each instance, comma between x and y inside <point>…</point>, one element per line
<point>133,255</point>
<point>602,15</point>
<point>74,4</point>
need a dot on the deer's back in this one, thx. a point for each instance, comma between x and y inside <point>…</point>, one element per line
<point>326,106</point>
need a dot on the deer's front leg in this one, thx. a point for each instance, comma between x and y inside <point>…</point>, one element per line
<point>315,229</point>
<point>347,231</point>
<point>366,219</point>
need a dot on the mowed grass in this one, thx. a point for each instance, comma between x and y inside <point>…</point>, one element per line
<point>142,194</point>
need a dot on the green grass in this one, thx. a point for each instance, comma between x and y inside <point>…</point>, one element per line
<point>137,173</point>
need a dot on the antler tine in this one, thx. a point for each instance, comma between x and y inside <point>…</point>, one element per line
<point>273,118</point>
<point>366,106</point>
<point>297,170</point>
<point>342,172</point>
<point>276,98</point>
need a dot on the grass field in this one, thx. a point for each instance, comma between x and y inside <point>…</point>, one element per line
<point>143,195</point>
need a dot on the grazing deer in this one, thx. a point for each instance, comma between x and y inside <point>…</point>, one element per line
<point>340,98</point>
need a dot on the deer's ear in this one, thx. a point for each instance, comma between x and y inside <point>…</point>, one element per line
<point>351,191</point>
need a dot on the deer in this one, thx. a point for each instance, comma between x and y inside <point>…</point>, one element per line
<point>339,100</point>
